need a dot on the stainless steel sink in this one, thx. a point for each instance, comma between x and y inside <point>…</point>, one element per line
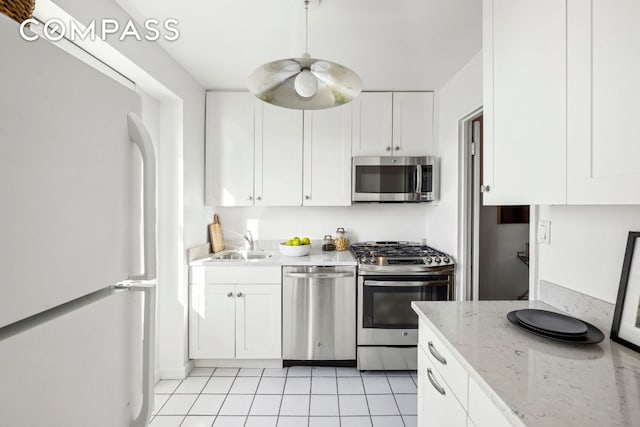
<point>241,255</point>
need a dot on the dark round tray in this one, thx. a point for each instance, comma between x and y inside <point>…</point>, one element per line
<point>552,322</point>
<point>593,335</point>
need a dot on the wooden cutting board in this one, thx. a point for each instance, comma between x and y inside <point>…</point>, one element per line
<point>215,234</point>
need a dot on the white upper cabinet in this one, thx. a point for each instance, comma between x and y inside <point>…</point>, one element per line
<point>393,123</point>
<point>603,66</point>
<point>278,160</point>
<point>372,124</point>
<point>327,157</point>
<point>229,154</point>
<point>412,123</point>
<point>254,152</point>
<point>524,147</point>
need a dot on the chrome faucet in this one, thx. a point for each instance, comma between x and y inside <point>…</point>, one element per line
<point>249,238</point>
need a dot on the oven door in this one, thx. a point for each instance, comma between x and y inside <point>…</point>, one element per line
<point>385,316</point>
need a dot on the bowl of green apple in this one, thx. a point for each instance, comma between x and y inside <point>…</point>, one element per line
<point>296,247</point>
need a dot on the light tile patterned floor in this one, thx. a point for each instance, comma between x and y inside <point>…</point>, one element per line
<point>289,397</point>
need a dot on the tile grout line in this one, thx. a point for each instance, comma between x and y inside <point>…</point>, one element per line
<point>394,399</point>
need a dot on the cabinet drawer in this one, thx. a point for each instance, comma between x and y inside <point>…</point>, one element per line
<point>447,366</point>
<point>482,410</point>
<point>235,274</point>
<point>438,405</point>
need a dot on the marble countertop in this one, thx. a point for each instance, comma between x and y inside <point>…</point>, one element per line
<point>537,381</point>
<point>316,257</point>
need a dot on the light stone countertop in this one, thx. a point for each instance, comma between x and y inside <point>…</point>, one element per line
<point>540,381</point>
<point>316,257</point>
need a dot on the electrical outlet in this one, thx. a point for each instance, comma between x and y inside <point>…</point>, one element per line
<point>544,232</point>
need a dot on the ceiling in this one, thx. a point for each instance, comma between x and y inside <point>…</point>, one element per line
<point>391,44</point>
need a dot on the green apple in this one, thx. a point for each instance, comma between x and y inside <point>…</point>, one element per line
<point>289,243</point>
<point>306,241</point>
<point>296,242</point>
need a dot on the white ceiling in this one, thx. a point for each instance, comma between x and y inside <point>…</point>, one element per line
<point>391,44</point>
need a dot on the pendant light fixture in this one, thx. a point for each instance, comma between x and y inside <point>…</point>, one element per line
<point>305,83</point>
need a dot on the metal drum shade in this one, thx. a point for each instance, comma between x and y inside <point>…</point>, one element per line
<point>274,83</point>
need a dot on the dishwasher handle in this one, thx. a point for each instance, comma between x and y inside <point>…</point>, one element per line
<point>319,275</point>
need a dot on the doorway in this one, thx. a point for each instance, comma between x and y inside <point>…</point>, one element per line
<point>494,239</point>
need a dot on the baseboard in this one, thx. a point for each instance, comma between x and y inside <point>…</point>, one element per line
<point>177,374</point>
<point>238,363</point>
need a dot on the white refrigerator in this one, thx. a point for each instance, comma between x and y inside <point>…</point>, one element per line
<point>77,242</point>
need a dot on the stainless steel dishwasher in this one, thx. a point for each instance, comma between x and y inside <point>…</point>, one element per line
<point>319,313</point>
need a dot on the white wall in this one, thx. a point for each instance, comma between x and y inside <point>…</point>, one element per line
<point>587,247</point>
<point>459,97</point>
<point>182,215</point>
<point>502,275</point>
<point>367,221</point>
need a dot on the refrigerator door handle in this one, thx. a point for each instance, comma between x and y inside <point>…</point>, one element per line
<point>140,137</point>
<point>148,346</point>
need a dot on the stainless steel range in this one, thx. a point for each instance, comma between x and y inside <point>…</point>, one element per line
<point>390,276</point>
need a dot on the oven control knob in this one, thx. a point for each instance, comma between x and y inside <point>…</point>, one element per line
<point>373,260</point>
<point>446,260</point>
<point>438,260</point>
<point>363,259</point>
<point>429,261</point>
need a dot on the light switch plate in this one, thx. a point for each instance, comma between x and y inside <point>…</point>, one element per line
<point>544,232</point>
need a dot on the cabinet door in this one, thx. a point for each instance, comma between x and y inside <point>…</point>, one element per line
<point>327,157</point>
<point>412,123</point>
<point>258,321</point>
<point>212,322</point>
<point>483,411</point>
<point>372,126</point>
<point>230,148</point>
<point>524,56</point>
<point>603,66</point>
<point>278,161</point>
<point>439,406</point>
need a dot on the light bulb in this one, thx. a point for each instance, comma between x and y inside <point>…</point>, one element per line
<point>306,84</point>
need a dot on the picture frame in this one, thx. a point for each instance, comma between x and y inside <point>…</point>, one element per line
<point>626,317</point>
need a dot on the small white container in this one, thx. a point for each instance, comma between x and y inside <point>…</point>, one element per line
<point>301,250</point>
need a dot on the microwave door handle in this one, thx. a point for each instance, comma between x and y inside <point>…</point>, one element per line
<point>419,179</point>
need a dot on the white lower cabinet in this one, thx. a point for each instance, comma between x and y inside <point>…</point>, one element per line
<point>482,410</point>
<point>447,394</point>
<point>437,404</point>
<point>212,321</point>
<point>235,320</point>
<point>258,322</point>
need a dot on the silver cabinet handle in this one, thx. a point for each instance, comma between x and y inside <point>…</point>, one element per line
<point>388,148</point>
<point>307,197</point>
<point>485,188</point>
<point>240,295</point>
<point>434,383</point>
<point>396,148</point>
<point>250,197</point>
<point>258,198</point>
<point>230,294</point>
<point>436,354</point>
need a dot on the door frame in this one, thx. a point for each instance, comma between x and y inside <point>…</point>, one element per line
<point>468,217</point>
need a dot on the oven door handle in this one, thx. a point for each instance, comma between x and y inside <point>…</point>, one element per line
<point>405,284</point>
<point>419,179</point>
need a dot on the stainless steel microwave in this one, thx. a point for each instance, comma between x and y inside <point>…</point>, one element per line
<point>395,179</point>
